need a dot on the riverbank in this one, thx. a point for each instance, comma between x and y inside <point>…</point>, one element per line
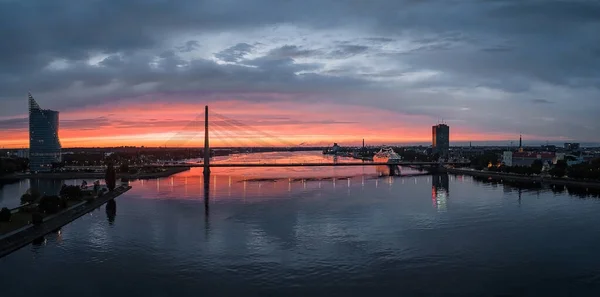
<point>525,178</point>
<point>94,175</point>
<point>21,237</point>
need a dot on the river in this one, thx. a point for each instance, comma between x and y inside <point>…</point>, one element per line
<point>317,232</point>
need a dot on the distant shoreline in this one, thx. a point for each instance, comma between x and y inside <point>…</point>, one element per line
<point>525,178</point>
<point>92,175</point>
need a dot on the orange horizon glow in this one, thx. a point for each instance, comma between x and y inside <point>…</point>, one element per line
<point>170,124</point>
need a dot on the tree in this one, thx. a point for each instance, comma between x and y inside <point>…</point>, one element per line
<point>5,215</point>
<point>12,165</point>
<point>537,166</point>
<point>111,177</point>
<point>560,169</point>
<point>26,198</point>
<point>482,161</point>
<point>31,196</point>
<point>71,192</point>
<point>96,186</point>
<point>50,204</point>
<point>124,168</point>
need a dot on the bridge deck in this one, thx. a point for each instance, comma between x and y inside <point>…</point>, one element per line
<point>308,164</point>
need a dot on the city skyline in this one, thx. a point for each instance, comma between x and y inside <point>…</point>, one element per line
<point>487,69</point>
<point>81,133</point>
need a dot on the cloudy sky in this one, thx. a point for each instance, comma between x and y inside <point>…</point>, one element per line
<point>135,72</point>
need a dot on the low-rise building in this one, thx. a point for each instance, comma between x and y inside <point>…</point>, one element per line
<point>21,153</point>
<point>527,158</point>
<point>507,158</point>
<point>572,146</point>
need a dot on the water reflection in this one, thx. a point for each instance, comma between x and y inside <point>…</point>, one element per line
<point>368,235</point>
<point>206,181</point>
<point>11,193</point>
<point>46,187</point>
<point>440,191</point>
<point>384,170</point>
<point>39,241</point>
<point>111,211</point>
<point>537,188</point>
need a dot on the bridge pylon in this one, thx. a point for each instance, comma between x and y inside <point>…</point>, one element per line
<point>206,144</point>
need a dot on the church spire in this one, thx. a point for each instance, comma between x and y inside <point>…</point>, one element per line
<point>520,143</point>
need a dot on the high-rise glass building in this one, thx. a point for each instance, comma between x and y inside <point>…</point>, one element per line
<point>441,139</point>
<point>44,145</point>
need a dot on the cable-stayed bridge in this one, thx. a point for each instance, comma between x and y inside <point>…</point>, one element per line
<point>234,133</point>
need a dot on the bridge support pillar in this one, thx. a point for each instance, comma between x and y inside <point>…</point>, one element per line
<point>394,170</point>
<point>434,169</point>
<point>206,145</point>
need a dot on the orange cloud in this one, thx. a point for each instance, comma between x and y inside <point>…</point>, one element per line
<point>161,123</point>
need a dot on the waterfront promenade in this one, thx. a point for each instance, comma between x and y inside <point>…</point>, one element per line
<point>17,239</point>
<point>96,175</point>
<point>525,178</point>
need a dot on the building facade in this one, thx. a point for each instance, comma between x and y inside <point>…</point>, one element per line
<point>440,139</point>
<point>22,153</point>
<point>44,144</point>
<point>507,158</point>
<point>572,146</point>
<point>527,158</point>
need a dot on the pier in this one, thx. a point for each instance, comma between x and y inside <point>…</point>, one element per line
<point>19,238</point>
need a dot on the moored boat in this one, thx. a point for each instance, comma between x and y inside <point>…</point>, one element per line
<point>387,154</point>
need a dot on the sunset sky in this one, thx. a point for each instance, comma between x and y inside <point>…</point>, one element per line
<point>310,72</point>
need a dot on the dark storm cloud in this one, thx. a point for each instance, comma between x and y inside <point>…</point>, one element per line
<point>234,53</point>
<point>292,51</point>
<point>21,124</point>
<point>14,124</point>
<point>541,101</point>
<point>189,46</point>
<point>379,39</point>
<point>346,51</point>
<point>504,45</point>
<point>72,30</point>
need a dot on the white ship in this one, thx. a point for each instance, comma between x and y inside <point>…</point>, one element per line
<point>387,154</point>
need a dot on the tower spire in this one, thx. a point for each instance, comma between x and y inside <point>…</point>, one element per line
<point>521,140</point>
<point>521,143</point>
<point>206,145</point>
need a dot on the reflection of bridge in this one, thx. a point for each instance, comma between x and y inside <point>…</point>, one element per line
<point>313,164</point>
<point>228,130</point>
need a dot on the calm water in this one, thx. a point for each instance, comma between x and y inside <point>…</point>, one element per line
<point>317,232</point>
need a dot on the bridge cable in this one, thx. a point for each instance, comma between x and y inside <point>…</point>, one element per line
<point>224,130</point>
<point>244,133</point>
<point>192,129</point>
<point>261,134</point>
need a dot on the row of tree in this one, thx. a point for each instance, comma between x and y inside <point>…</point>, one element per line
<point>413,155</point>
<point>484,160</point>
<point>588,171</point>
<point>51,204</point>
<point>12,165</point>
